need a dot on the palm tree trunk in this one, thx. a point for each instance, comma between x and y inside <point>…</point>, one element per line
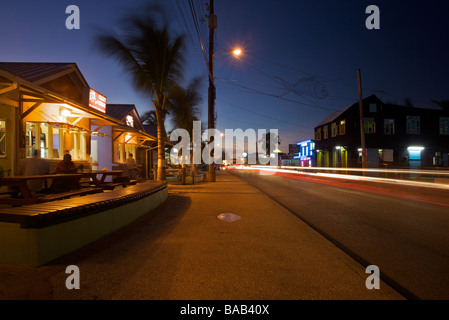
<point>160,151</point>
<point>183,176</point>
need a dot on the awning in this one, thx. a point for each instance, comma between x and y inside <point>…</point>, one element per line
<point>142,138</point>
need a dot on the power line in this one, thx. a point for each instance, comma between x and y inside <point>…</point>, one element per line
<point>264,115</point>
<point>190,30</point>
<point>255,91</point>
<point>326,79</point>
<point>197,29</point>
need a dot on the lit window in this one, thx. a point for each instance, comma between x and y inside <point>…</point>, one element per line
<point>318,134</point>
<point>444,126</point>
<point>370,126</point>
<point>413,125</point>
<point>342,128</point>
<point>2,138</point>
<point>31,138</point>
<point>325,132</point>
<point>333,130</point>
<point>129,121</point>
<point>388,126</point>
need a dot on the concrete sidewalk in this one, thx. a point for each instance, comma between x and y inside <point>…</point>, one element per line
<point>183,251</point>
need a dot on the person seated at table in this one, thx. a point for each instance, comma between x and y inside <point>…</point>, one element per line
<point>66,165</point>
<point>131,165</point>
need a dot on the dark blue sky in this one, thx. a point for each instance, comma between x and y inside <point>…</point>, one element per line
<point>283,41</point>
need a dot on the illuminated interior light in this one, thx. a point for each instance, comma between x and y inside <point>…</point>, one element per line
<point>338,147</point>
<point>66,112</point>
<point>127,137</point>
<point>304,143</point>
<point>415,149</point>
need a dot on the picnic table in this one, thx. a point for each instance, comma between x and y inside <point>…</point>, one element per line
<point>93,175</point>
<point>100,182</point>
<point>21,183</point>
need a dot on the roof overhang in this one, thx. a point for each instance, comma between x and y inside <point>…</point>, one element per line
<point>48,103</point>
<point>130,134</point>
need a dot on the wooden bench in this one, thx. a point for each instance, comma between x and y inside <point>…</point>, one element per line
<point>112,185</point>
<point>68,194</point>
<point>49,213</point>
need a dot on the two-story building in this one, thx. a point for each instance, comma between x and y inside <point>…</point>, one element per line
<point>395,136</point>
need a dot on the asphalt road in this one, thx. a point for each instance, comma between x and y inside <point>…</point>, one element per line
<point>402,230</point>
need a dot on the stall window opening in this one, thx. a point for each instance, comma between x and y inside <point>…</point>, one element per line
<point>2,138</point>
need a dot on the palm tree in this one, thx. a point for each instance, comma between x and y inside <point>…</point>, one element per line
<point>153,58</point>
<point>184,105</point>
<point>266,142</point>
<point>184,110</point>
<point>149,118</point>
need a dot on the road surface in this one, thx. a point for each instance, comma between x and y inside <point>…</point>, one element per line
<point>402,230</point>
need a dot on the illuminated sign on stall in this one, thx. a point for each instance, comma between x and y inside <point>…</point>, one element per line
<point>97,101</point>
<point>305,153</point>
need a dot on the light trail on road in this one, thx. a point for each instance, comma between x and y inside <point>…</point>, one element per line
<point>343,182</point>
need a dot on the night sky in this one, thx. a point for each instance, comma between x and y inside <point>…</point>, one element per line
<point>318,45</point>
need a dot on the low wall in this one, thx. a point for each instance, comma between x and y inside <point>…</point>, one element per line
<point>194,179</point>
<point>35,246</point>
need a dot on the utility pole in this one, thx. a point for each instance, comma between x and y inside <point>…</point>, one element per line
<point>362,127</point>
<point>211,92</point>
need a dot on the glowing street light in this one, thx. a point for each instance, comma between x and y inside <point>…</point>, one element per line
<point>237,52</point>
<point>234,51</point>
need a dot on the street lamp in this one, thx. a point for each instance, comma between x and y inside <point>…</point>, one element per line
<point>211,102</point>
<point>237,52</point>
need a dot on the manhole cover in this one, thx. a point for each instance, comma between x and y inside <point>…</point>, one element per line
<point>228,217</point>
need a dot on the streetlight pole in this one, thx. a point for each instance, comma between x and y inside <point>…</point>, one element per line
<point>211,92</point>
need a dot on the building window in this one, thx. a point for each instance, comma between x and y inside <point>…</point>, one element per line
<point>130,121</point>
<point>318,134</point>
<point>389,126</point>
<point>444,126</point>
<point>30,137</point>
<point>413,125</point>
<point>325,132</point>
<point>370,126</point>
<point>334,130</point>
<point>373,107</point>
<point>2,138</point>
<point>342,128</point>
